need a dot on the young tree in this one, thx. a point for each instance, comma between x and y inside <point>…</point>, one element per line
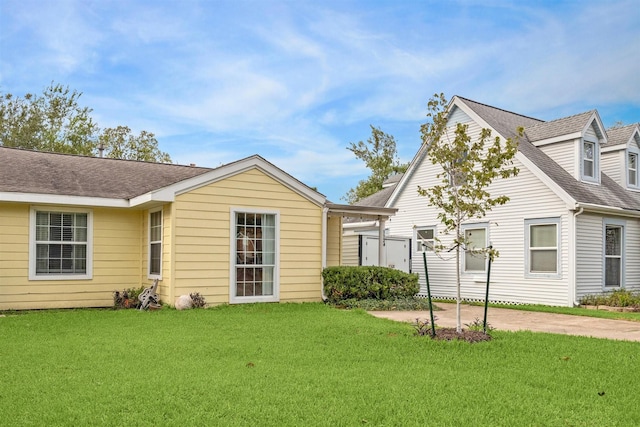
<point>55,121</point>
<point>469,165</point>
<point>380,155</point>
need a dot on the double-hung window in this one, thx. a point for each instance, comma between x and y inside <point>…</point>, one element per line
<point>474,255</point>
<point>60,244</point>
<point>425,238</point>
<point>541,243</point>
<point>155,244</point>
<point>632,169</point>
<point>613,254</point>
<point>255,254</point>
<point>590,157</point>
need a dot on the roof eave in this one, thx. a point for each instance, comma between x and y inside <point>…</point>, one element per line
<point>56,199</point>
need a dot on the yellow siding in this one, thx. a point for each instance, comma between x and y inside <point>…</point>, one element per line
<point>116,262</point>
<point>334,241</point>
<point>202,237</point>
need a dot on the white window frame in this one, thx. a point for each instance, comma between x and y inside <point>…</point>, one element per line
<point>275,297</point>
<point>419,247</point>
<point>33,245</point>
<point>621,224</point>
<point>630,171</point>
<point>596,160</point>
<point>528,223</point>
<point>480,226</point>
<point>158,275</point>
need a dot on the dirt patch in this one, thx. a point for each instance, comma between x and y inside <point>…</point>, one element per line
<point>450,334</point>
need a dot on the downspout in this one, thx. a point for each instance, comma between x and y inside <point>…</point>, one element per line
<point>381,253</point>
<point>573,258</point>
<point>325,213</point>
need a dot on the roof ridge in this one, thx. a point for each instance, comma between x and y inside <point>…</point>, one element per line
<point>27,150</point>
<point>567,117</point>
<point>500,109</point>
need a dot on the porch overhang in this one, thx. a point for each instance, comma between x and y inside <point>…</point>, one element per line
<point>363,212</point>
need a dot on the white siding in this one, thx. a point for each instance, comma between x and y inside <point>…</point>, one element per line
<point>566,154</point>
<point>613,164</point>
<point>350,245</point>
<point>508,281</point>
<point>590,257</point>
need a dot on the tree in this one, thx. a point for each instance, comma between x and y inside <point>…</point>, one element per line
<point>55,121</point>
<point>52,121</point>
<point>120,143</point>
<point>380,155</point>
<point>468,166</point>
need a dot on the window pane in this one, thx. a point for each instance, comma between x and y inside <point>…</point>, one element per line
<point>613,271</point>
<point>42,218</point>
<point>155,257</point>
<point>55,218</point>
<point>544,261</point>
<point>42,233</point>
<point>613,245</point>
<point>588,150</point>
<point>543,236</point>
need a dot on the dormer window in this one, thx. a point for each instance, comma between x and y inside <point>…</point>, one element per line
<point>590,169</point>
<point>588,160</point>
<point>632,170</point>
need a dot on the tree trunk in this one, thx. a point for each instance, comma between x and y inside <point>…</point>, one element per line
<point>458,320</point>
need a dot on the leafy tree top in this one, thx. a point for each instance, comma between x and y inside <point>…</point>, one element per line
<point>379,154</point>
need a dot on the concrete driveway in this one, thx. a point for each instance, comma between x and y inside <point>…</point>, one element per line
<point>518,320</point>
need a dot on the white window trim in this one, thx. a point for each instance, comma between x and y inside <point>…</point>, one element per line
<point>527,249</point>
<point>233,299</point>
<point>627,170</point>
<point>418,247</point>
<point>32,244</point>
<point>476,226</point>
<point>623,252</point>
<point>596,161</point>
<point>152,211</point>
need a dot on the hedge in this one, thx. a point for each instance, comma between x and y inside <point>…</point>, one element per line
<point>368,282</point>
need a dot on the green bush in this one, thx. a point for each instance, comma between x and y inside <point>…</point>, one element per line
<point>392,304</point>
<point>368,282</point>
<point>615,298</point>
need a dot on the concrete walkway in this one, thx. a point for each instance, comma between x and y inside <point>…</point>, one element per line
<point>518,320</point>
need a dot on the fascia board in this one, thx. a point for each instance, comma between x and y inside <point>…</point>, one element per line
<point>559,138</point>
<point>56,199</point>
<point>611,148</point>
<point>415,163</point>
<point>596,116</point>
<point>609,210</point>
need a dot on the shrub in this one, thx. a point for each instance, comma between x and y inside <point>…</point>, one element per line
<point>368,282</point>
<point>198,300</point>
<point>615,298</point>
<point>404,304</point>
<point>128,298</point>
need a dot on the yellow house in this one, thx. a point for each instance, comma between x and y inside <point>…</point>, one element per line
<point>74,229</point>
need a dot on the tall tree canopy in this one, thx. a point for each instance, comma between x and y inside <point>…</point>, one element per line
<point>55,121</point>
<point>379,153</point>
<point>469,164</point>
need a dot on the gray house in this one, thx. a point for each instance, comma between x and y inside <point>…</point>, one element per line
<point>571,227</point>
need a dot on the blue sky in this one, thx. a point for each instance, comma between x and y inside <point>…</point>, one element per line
<point>296,81</point>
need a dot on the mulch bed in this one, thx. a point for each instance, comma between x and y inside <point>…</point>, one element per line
<point>450,334</point>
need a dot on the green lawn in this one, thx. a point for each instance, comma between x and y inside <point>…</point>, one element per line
<point>300,365</point>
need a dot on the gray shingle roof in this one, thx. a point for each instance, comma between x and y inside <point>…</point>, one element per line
<point>28,171</point>
<point>619,135</point>
<point>564,126</point>
<point>608,193</point>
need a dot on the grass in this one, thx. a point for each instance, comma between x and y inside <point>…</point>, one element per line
<point>300,364</point>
